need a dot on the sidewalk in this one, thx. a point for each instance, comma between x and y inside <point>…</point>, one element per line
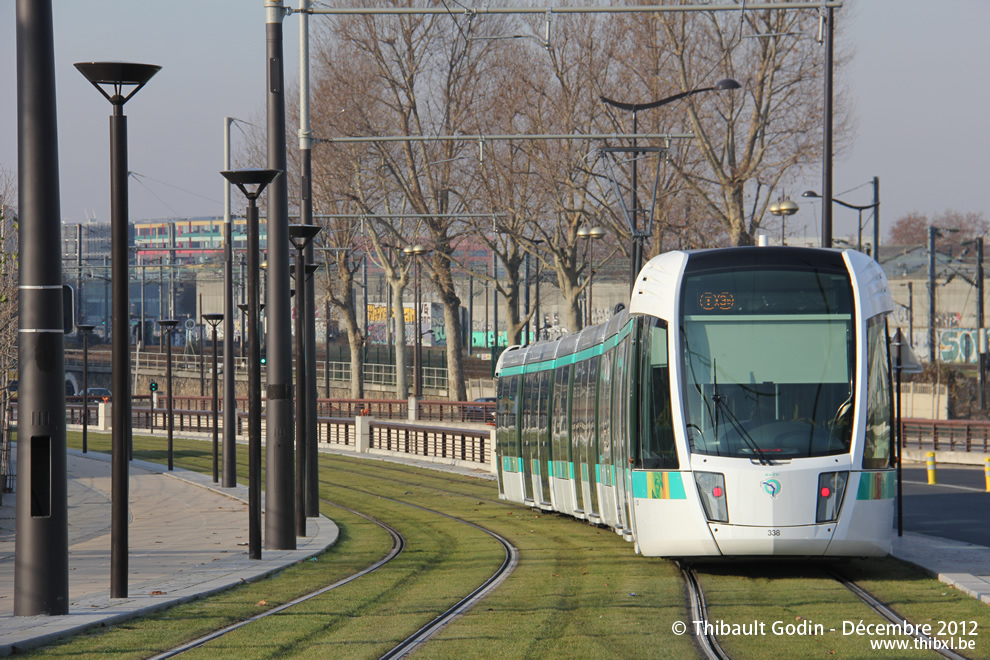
<point>187,539</point>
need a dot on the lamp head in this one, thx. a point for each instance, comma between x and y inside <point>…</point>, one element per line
<point>117,75</point>
<point>726,84</point>
<point>784,207</point>
<point>301,235</point>
<point>213,318</point>
<point>168,323</point>
<point>247,177</point>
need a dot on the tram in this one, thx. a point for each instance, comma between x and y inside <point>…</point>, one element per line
<point>740,406</point>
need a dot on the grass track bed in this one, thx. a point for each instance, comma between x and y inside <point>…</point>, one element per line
<point>579,591</point>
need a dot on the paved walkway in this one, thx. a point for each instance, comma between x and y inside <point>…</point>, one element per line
<point>187,538</point>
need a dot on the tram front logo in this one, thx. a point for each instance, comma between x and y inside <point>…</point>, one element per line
<point>771,487</point>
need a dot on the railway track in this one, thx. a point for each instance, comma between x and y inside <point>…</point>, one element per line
<point>409,644</point>
<point>886,612</point>
<point>398,545</point>
<point>708,642</point>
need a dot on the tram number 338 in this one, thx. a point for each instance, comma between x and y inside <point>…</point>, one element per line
<point>773,532</point>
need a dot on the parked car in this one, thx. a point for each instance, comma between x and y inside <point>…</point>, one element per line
<point>98,394</point>
<point>481,413</point>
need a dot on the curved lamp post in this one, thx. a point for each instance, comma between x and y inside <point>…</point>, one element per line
<point>416,251</point>
<point>637,238</point>
<point>215,319</point>
<point>590,236</point>
<point>117,76</point>
<point>300,237</point>
<point>859,225</point>
<point>251,182</point>
<point>782,209</point>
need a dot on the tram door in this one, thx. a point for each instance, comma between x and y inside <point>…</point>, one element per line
<point>543,435</point>
<point>591,435</point>
<point>529,432</point>
<point>579,433</point>
<point>620,430</point>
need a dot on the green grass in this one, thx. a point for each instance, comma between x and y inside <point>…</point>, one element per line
<point>579,591</point>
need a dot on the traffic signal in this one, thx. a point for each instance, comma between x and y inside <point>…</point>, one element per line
<point>154,386</point>
<point>264,357</point>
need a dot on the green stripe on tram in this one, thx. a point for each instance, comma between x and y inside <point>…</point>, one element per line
<point>570,358</point>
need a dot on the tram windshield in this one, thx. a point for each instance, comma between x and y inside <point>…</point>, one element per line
<point>768,360</point>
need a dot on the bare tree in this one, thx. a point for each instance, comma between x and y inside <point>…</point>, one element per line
<point>912,229</point>
<point>415,76</point>
<point>8,313</point>
<point>746,142</point>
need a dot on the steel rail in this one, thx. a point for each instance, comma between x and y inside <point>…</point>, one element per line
<point>708,642</point>
<point>880,608</point>
<point>398,545</point>
<point>410,644</point>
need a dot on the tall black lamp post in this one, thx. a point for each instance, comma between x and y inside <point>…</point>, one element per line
<point>215,319</point>
<point>416,251</point>
<point>252,182</point>
<point>85,331</point>
<point>300,236</point>
<point>117,76</point>
<point>312,435</point>
<point>41,553</point>
<point>167,325</point>
<point>636,262</point>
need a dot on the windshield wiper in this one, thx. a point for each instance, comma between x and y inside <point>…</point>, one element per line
<point>736,424</point>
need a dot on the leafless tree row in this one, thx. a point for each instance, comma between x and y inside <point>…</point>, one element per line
<point>440,76</point>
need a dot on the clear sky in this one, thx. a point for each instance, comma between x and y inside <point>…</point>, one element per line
<point>920,107</point>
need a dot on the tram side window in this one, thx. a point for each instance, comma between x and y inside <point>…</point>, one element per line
<point>605,405</point>
<point>505,433</point>
<point>561,422</point>
<point>657,449</point>
<point>876,452</point>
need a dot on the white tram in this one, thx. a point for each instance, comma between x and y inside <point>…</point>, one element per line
<point>741,406</point>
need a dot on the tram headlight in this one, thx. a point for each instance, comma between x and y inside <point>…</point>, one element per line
<point>711,489</point>
<point>831,489</point>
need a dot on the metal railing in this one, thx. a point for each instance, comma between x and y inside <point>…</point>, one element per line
<point>187,364</point>
<point>946,435</point>
<point>335,423</point>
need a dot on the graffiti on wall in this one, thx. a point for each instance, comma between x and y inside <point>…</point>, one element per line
<point>959,345</point>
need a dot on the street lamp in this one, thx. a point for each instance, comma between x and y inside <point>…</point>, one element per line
<point>312,453</point>
<point>637,238</point>
<point>416,251</point>
<point>214,319</point>
<point>167,325</point>
<point>118,75</point>
<point>782,209</point>
<point>85,331</point>
<point>590,236</point>
<point>859,225</point>
<point>252,182</point>
<point>300,237</point>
